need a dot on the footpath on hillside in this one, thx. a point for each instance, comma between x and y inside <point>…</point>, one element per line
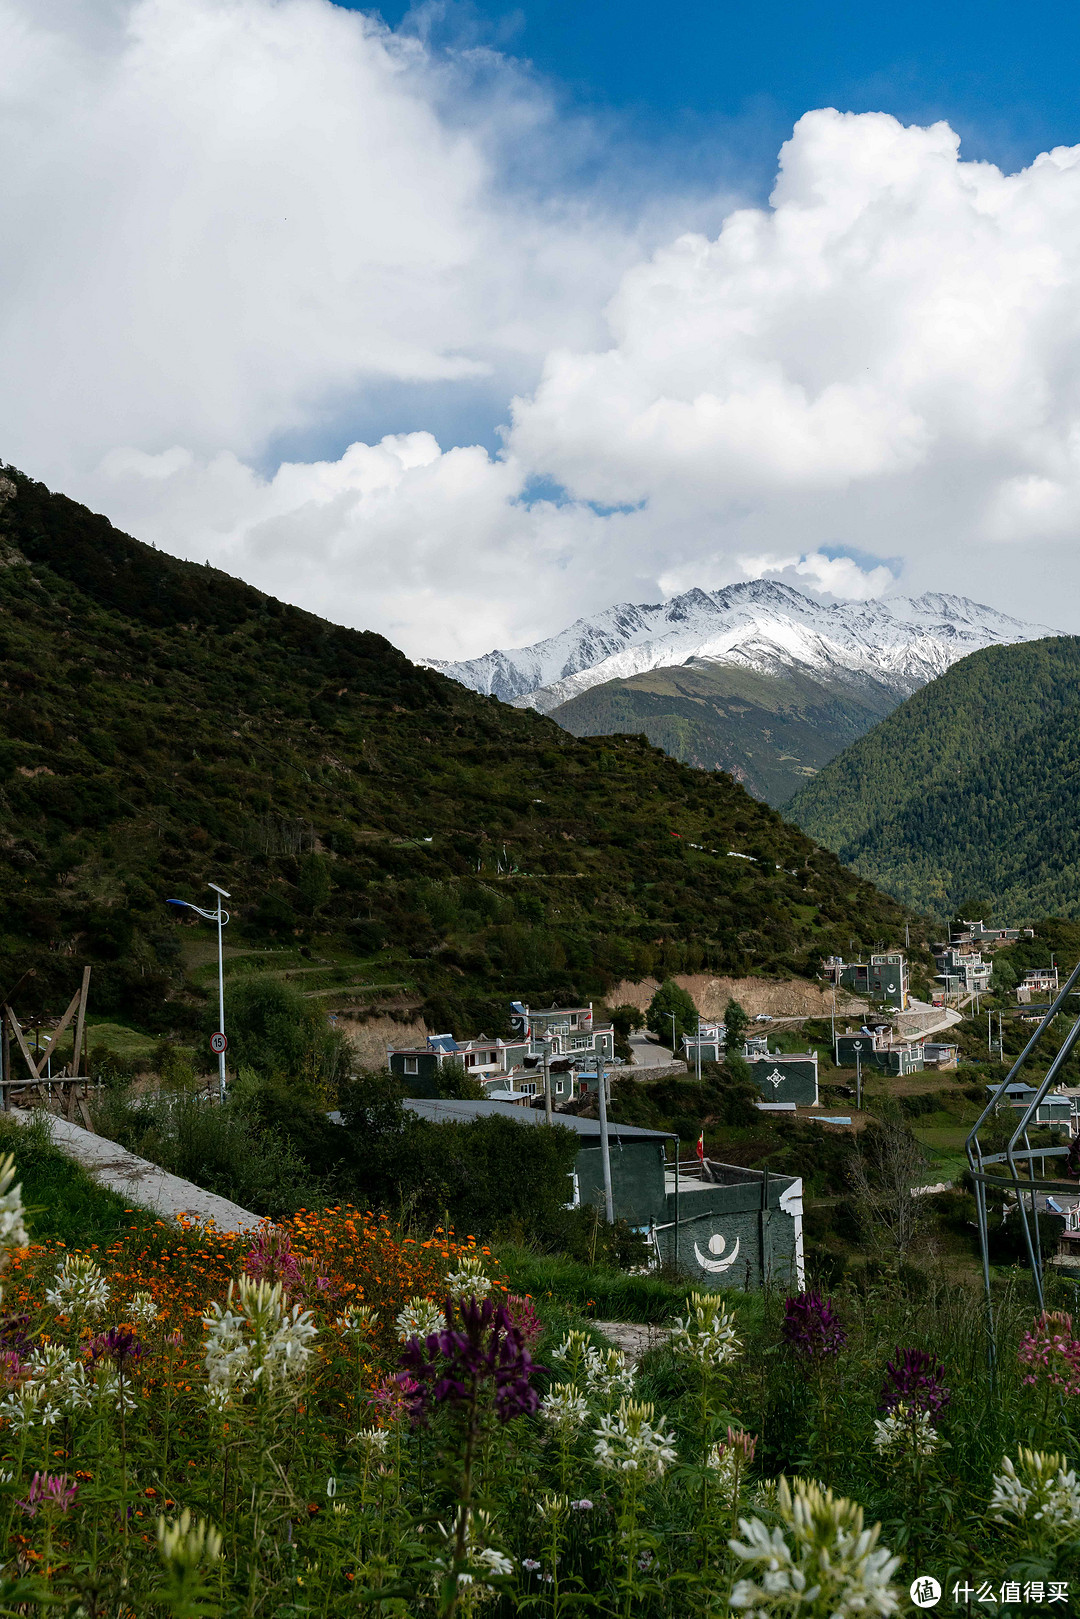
<point>140,1182</point>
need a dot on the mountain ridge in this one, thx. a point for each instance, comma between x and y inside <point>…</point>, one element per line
<point>764,625</point>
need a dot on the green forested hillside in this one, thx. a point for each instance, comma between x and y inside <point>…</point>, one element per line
<point>768,731</point>
<point>965,797</point>
<point>162,724</point>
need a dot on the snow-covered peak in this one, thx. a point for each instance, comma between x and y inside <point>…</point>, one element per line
<point>761,625</point>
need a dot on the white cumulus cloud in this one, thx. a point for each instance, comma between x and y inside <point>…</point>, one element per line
<point>228,224</point>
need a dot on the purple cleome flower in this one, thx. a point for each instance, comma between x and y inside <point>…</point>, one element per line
<point>120,1345</point>
<point>915,1380</point>
<point>480,1346</point>
<point>812,1327</point>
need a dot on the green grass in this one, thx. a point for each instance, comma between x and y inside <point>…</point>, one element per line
<point>131,1044</point>
<point>61,1200</point>
<point>597,1292</point>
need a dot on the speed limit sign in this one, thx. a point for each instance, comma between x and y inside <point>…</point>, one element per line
<point>218,1044</point>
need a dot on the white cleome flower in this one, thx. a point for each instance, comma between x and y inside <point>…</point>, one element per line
<point>78,1288</point>
<point>905,1431</point>
<point>1038,1492</point>
<point>607,1374</point>
<point>571,1352</point>
<point>28,1406</point>
<point>826,1559</point>
<point>419,1319</point>
<point>482,1559</point>
<point>372,1441</point>
<point>142,1310</point>
<point>707,1333</point>
<point>358,1322</point>
<point>722,1461</point>
<point>565,1408</point>
<point>62,1377</point>
<point>631,1442</point>
<point>469,1282</point>
<point>13,1232</point>
<point>256,1340</point>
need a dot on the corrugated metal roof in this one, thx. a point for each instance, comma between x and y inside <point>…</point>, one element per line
<point>439,1109</point>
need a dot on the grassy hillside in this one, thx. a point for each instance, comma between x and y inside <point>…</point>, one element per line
<point>768,731</point>
<point>964,798</point>
<point>409,842</point>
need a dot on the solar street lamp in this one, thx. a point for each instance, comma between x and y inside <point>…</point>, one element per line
<point>218,1042</point>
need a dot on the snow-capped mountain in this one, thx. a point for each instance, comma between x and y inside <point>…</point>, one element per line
<point>899,643</point>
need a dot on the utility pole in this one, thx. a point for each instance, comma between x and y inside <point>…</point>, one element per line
<point>858,1075</point>
<point>547,1077</point>
<point>672,1036</point>
<point>989,1034</point>
<point>699,1049</point>
<point>605,1150</point>
<point>834,1020</point>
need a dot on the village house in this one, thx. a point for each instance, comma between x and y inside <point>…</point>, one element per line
<point>512,1069</point>
<point>876,1049</point>
<point>883,978</point>
<point>963,932</point>
<point>960,969</point>
<point>1037,981</point>
<point>1056,1111</point>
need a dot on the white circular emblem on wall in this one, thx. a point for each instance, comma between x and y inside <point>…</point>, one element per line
<point>722,1262</point>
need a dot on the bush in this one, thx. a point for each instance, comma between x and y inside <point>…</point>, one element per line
<point>226,1149</point>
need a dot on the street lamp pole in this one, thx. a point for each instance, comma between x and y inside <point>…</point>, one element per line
<point>672,1016</point>
<point>221,917</point>
<point>605,1145</point>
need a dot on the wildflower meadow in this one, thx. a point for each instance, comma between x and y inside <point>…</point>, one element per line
<point>333,1417</point>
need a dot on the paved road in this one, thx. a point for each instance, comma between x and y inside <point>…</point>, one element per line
<point>647,1053</point>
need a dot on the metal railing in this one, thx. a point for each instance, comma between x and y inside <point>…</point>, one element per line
<point>1024,1188</point>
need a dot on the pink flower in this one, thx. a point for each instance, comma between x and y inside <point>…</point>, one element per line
<point>48,1492</point>
<point>1052,1352</point>
<point>393,1396</point>
<point>524,1318</point>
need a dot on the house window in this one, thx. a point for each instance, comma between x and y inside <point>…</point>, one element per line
<point>412,1065</point>
<point>528,1090</point>
<point>470,1060</point>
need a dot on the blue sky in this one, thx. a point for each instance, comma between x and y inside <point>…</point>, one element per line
<point>1005,75</point>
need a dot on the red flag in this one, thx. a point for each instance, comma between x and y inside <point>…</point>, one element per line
<point>701,1146</point>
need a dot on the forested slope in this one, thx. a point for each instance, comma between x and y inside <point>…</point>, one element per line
<point>768,731</point>
<point>162,724</point>
<point>965,797</point>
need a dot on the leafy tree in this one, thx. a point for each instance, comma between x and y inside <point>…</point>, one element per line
<point>279,1035</point>
<point>315,883</point>
<point>627,1020</point>
<point>671,999</point>
<point>736,1023</point>
<point>457,1085</point>
<point>1004,976</point>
